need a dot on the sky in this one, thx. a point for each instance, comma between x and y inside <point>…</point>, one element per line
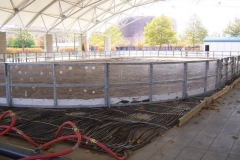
<point>215,15</point>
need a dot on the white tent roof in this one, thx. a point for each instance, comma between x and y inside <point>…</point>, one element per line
<point>77,16</point>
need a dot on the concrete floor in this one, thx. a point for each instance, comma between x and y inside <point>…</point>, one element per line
<point>209,135</point>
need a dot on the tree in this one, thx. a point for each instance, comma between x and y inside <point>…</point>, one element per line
<point>195,32</point>
<point>10,41</point>
<point>40,40</point>
<point>233,29</point>
<point>139,40</point>
<point>123,42</point>
<point>181,42</point>
<point>159,31</point>
<point>214,34</point>
<point>24,39</point>
<point>114,33</point>
<point>97,38</point>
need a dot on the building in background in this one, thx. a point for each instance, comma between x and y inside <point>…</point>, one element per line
<point>222,44</point>
<point>133,31</point>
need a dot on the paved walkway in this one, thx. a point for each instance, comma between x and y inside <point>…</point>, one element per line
<point>210,135</point>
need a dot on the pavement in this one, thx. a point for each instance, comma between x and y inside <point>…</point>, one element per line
<point>212,134</point>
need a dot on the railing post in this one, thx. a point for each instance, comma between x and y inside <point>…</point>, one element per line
<point>26,57</point>
<point>226,68</point>
<point>68,55</point>
<point>185,72</point>
<point>232,67</point>
<point>206,74</point>
<point>218,74</point>
<point>238,58</point>
<point>7,84</point>
<point>151,83</point>
<point>221,72</point>
<point>17,57</point>
<point>106,87</point>
<point>236,66</point>
<point>45,56</point>
<point>54,85</point>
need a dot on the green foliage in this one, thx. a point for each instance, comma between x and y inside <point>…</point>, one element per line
<point>40,40</point>
<point>97,38</point>
<point>181,42</point>
<point>22,39</point>
<point>159,31</point>
<point>114,33</point>
<point>10,41</point>
<point>195,32</point>
<point>233,29</point>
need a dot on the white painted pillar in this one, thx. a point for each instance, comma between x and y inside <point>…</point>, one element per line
<point>107,44</point>
<point>3,44</point>
<point>80,43</point>
<point>48,43</point>
<point>83,43</point>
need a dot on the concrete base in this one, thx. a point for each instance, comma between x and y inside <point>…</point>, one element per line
<point>48,42</point>
<point>83,45</point>
<point>107,44</point>
<point>3,45</point>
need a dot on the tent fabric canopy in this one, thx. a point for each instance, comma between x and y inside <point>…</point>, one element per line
<point>78,16</point>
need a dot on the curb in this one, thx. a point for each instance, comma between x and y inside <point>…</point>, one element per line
<point>206,102</point>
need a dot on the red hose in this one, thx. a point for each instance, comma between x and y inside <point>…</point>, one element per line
<point>8,128</point>
<point>104,147</point>
<point>46,145</point>
<point>77,135</point>
<point>22,134</point>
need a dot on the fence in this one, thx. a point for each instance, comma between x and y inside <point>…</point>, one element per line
<point>110,84</point>
<point>71,56</point>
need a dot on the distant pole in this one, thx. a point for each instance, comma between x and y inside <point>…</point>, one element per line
<point>56,39</point>
<point>74,40</point>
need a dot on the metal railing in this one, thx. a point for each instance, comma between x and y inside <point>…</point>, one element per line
<point>71,56</point>
<point>111,84</point>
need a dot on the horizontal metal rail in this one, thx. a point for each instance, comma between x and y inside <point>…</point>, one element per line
<point>112,83</point>
<point>70,56</point>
